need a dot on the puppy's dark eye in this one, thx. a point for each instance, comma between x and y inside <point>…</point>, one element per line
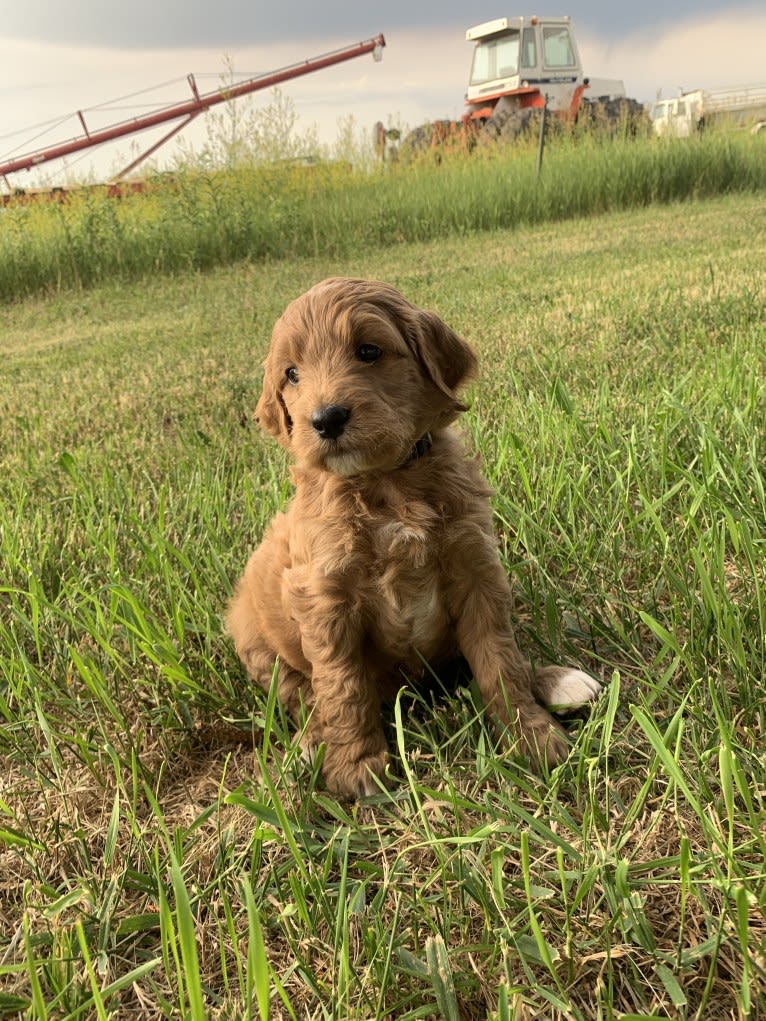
<point>368,353</point>
<point>292,375</point>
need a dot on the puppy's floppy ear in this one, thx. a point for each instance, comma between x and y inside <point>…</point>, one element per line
<point>271,410</point>
<point>447,359</point>
<point>444,358</point>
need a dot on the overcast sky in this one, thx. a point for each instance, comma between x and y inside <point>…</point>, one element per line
<point>57,58</point>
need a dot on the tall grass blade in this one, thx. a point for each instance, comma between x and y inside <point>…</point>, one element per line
<point>440,972</point>
<point>258,970</point>
<point>187,941</point>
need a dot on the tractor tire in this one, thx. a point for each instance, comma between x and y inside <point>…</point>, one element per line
<point>435,138</point>
<point>613,116</point>
<point>418,141</point>
<point>508,126</point>
<point>505,125</point>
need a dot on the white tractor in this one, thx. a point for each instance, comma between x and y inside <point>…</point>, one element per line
<point>521,66</point>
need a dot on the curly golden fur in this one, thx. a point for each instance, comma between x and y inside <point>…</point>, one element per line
<point>385,556</point>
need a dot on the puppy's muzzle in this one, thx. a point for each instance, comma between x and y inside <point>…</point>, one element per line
<point>329,421</point>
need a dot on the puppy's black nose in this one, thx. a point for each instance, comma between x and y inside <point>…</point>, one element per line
<point>330,420</point>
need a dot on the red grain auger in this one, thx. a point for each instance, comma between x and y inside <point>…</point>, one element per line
<point>185,112</point>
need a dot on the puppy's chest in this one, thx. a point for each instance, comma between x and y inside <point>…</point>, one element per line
<point>404,585</point>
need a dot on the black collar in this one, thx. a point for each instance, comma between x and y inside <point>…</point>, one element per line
<point>421,448</point>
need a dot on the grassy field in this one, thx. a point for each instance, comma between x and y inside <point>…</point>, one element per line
<point>200,220</point>
<point>164,853</point>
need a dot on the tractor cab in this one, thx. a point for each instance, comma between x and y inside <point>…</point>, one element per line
<point>536,56</point>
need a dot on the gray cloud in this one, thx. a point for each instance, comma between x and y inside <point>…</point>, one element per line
<point>149,24</point>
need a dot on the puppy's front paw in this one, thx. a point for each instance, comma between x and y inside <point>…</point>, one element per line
<point>541,738</point>
<point>357,776</point>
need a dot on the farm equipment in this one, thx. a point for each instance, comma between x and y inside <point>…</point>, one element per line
<point>741,106</point>
<point>521,66</point>
<point>182,113</point>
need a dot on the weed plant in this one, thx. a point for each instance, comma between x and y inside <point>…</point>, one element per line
<point>199,220</point>
<point>164,850</point>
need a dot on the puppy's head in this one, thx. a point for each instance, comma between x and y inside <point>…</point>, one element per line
<point>356,375</point>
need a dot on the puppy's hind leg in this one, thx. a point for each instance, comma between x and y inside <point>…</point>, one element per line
<point>294,689</point>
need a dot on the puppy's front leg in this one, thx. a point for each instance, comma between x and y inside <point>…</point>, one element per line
<point>347,698</point>
<point>480,604</point>
<point>349,724</point>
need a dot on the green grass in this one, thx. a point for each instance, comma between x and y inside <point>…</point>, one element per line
<point>202,220</point>
<point>164,851</point>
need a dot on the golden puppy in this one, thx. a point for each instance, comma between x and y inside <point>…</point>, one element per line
<point>385,557</point>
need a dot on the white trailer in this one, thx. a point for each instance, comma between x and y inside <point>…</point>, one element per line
<point>741,106</point>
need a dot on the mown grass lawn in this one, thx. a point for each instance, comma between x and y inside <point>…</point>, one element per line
<point>165,853</point>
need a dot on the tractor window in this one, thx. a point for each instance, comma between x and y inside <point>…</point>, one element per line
<point>528,48</point>
<point>497,57</point>
<point>557,48</point>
